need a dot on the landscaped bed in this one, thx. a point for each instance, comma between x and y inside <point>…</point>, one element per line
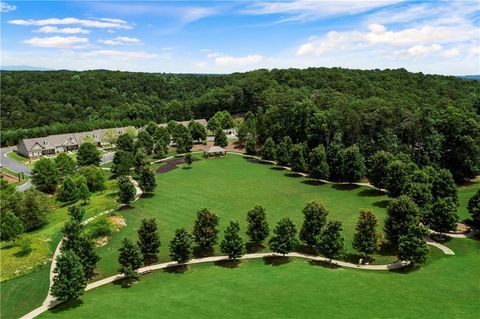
<point>447,287</point>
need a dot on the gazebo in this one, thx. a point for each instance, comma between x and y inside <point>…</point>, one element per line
<point>214,151</point>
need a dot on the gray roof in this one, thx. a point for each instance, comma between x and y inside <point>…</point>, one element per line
<point>214,149</point>
<point>52,141</point>
<point>185,123</point>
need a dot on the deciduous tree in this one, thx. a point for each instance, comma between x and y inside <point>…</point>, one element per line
<point>402,213</point>
<point>11,227</point>
<point>69,279</point>
<point>126,190</point>
<point>353,164</point>
<point>284,239</point>
<point>474,207</point>
<point>318,165</point>
<point>45,175</point>
<point>65,165</point>
<point>148,239</point>
<point>330,244</point>
<point>232,244</point>
<point>205,230</point>
<point>129,258</point>
<point>412,247</point>
<point>366,236</point>
<point>257,225</point>
<point>88,154</point>
<point>315,217</point>
<point>68,191</point>
<point>268,149</point>
<point>181,249</point>
<point>442,216</point>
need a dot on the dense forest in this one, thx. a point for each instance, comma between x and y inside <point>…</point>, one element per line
<point>435,120</point>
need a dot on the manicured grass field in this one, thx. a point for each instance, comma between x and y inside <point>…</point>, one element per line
<point>447,287</point>
<point>230,186</point>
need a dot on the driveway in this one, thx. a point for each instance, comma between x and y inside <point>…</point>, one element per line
<point>12,164</point>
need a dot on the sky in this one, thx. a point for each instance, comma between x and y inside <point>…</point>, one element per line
<point>436,37</point>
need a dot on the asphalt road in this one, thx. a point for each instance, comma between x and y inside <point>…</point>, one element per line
<point>12,164</point>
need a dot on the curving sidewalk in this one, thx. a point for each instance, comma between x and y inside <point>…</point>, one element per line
<point>50,301</point>
<point>443,248</point>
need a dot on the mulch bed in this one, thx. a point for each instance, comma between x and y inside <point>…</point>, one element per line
<point>172,164</point>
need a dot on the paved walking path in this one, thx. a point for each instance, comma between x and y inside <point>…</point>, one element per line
<point>469,234</point>
<point>50,301</point>
<point>443,248</point>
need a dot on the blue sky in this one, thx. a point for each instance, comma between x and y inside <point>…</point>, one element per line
<point>227,36</point>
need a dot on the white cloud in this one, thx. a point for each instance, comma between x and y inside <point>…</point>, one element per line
<point>200,65</point>
<point>90,23</point>
<point>5,7</point>
<point>232,61</point>
<point>305,10</point>
<point>418,51</point>
<point>419,40</point>
<point>57,42</point>
<point>451,53</point>
<point>51,29</point>
<point>122,54</point>
<point>121,41</point>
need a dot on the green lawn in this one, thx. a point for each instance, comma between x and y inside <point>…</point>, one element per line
<point>465,192</point>
<point>19,158</point>
<point>448,287</point>
<point>230,186</point>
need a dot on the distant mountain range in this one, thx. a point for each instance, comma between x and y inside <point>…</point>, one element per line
<point>23,68</point>
<point>471,77</point>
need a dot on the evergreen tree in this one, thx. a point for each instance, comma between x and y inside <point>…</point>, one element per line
<point>330,243</point>
<point>95,177</point>
<point>232,245</point>
<point>76,213</point>
<point>126,190</point>
<point>148,239</point>
<point>366,237</point>
<point>257,225</point>
<point>412,247</point>
<point>442,216</point>
<point>68,191</point>
<point>65,165</point>
<point>69,279</point>
<point>377,171</point>
<point>84,193</point>
<point>147,181</point>
<point>126,143</point>
<point>318,165</point>
<point>129,258</point>
<point>205,230</point>
<point>353,164</point>
<point>45,175</point>
<point>251,146</point>
<point>122,163</point>
<point>268,149</point>
<point>220,138</point>
<point>402,213</point>
<point>181,249</point>
<point>284,239</point>
<point>88,154</point>
<point>315,217</point>
<point>284,151</point>
<point>474,207</point>
<point>297,158</point>
<point>11,226</point>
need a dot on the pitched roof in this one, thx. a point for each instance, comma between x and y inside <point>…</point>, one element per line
<point>185,123</point>
<point>214,149</point>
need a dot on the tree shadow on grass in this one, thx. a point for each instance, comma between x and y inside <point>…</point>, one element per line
<point>293,174</point>
<point>276,260</point>
<point>405,270</point>
<point>323,264</point>
<point>228,263</point>
<point>345,187</point>
<point>305,249</point>
<point>147,195</point>
<point>186,167</point>
<point>278,168</point>
<point>382,203</point>
<point>370,192</point>
<point>72,304</point>
<point>177,269</point>
<point>125,282</point>
<point>387,249</point>
<point>313,182</point>
<point>253,247</point>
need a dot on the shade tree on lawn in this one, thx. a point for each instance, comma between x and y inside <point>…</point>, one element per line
<point>122,163</point>
<point>68,191</point>
<point>474,207</point>
<point>402,214</point>
<point>412,247</point>
<point>283,152</point>
<point>220,138</point>
<point>145,141</point>
<point>197,130</point>
<point>181,246</point>
<point>284,239</point>
<point>268,149</point>
<point>232,244</point>
<point>45,175</point>
<point>257,229</point>
<point>377,171</point>
<point>126,190</point>
<point>147,181</point>
<point>317,163</point>
<point>330,243</point>
<point>88,154</point>
<point>69,279</point>
<point>65,165</point>
<point>365,239</point>
<point>315,218</point>
<point>443,186</point>
<point>189,159</point>
<point>130,259</point>
<point>334,156</point>
<point>298,158</point>
<point>140,160</point>
<point>94,177</point>
<point>353,164</point>
<point>251,146</point>
<point>442,216</point>
<point>11,227</point>
<point>148,239</point>
<point>205,230</point>
<point>126,143</point>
